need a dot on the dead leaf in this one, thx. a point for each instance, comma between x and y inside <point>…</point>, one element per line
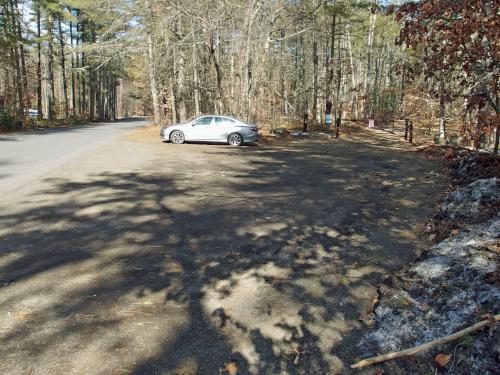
<point>231,368</point>
<point>442,359</point>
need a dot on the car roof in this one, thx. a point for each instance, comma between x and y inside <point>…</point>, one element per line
<point>228,117</point>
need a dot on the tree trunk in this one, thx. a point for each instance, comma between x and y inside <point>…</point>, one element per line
<point>92,81</point>
<point>367,83</point>
<point>219,99</point>
<point>152,79</point>
<point>50,67</point>
<point>20,105</point>
<point>314,109</point>
<point>27,101</point>
<point>332,54</point>
<point>83,88</point>
<point>442,111</point>
<point>63,70</point>
<point>73,90</point>
<point>353,75</point>
<point>339,80</point>
<point>196,83</point>
<point>244,59</point>
<point>39,61</point>
<point>497,134</point>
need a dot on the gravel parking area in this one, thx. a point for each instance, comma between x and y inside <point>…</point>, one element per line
<point>143,257</point>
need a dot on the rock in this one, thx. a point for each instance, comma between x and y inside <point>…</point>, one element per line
<point>473,202</point>
<point>432,268</point>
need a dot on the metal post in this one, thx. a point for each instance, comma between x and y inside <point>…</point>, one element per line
<point>406,129</point>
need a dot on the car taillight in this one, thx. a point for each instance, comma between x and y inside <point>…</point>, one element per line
<point>253,129</point>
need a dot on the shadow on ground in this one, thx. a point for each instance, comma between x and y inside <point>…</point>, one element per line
<point>220,255</point>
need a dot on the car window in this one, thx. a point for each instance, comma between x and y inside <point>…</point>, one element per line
<point>203,121</point>
<point>224,120</point>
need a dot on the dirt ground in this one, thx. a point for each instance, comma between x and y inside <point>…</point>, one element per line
<point>150,258</point>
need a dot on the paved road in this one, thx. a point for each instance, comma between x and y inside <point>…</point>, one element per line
<point>25,157</point>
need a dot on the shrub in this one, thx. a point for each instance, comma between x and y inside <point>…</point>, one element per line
<point>7,122</point>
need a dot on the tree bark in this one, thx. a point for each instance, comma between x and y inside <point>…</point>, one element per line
<point>152,80</point>
<point>314,109</point>
<point>442,111</point>
<point>367,83</point>
<point>73,90</point>
<point>27,101</point>
<point>339,80</point>
<point>63,70</point>
<point>332,55</point>
<point>196,83</point>
<point>83,60</point>
<point>20,105</point>
<point>39,60</point>
<point>92,81</point>
<point>151,63</point>
<point>219,99</point>
<point>353,74</point>
<point>50,68</point>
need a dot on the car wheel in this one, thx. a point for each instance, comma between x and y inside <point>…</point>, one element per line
<point>177,137</point>
<point>235,139</point>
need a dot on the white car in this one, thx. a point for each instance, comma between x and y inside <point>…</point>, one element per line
<point>211,128</point>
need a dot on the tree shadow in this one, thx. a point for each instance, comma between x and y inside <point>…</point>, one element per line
<point>247,256</point>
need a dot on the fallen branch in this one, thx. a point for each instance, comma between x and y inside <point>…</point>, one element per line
<point>428,345</point>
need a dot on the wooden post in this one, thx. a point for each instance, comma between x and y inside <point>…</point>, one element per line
<point>406,129</point>
<point>304,127</point>
<point>337,126</point>
<point>411,132</point>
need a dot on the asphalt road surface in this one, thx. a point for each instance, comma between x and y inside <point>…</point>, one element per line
<point>26,156</point>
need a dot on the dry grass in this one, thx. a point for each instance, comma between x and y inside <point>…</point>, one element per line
<point>146,133</point>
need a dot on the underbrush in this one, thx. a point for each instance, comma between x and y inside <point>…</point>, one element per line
<point>7,122</point>
<point>10,124</point>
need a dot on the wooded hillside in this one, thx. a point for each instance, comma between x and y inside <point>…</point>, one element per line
<point>435,63</point>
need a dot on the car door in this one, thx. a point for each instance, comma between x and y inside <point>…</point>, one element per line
<point>201,129</point>
<point>224,126</point>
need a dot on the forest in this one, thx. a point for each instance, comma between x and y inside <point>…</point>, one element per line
<point>433,63</point>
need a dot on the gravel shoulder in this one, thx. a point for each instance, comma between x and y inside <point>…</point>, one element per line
<point>143,257</point>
